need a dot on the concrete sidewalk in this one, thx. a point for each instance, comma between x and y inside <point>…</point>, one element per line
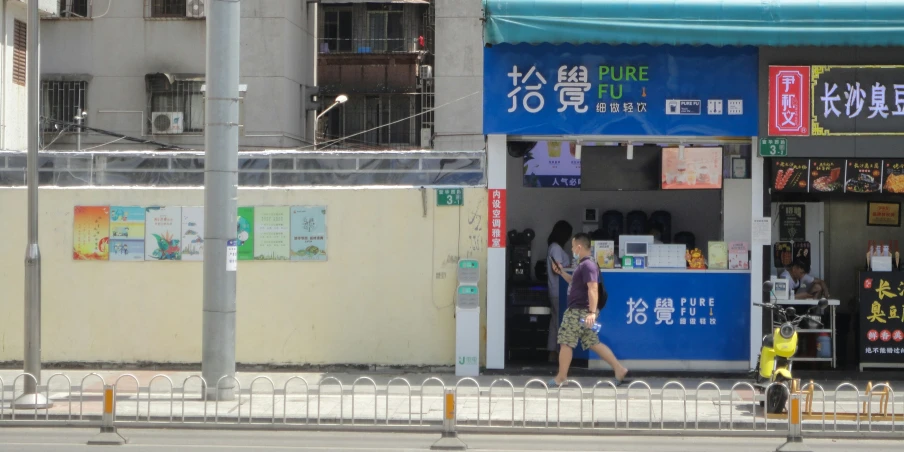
<point>371,400</point>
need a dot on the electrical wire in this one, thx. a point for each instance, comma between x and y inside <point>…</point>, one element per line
<point>323,145</point>
<point>102,145</point>
<point>109,3</point>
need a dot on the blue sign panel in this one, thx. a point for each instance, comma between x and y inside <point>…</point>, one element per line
<point>620,90</point>
<point>688,315</point>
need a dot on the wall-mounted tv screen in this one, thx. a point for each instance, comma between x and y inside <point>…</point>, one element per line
<point>607,168</point>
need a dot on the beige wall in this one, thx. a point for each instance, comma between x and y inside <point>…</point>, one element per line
<point>384,297</point>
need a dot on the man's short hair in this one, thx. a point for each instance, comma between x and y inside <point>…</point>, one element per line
<point>801,264</point>
<point>582,239</point>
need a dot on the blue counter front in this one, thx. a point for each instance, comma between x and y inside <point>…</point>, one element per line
<point>673,319</point>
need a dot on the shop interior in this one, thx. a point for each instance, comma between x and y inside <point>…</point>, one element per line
<point>844,214</point>
<point>687,193</point>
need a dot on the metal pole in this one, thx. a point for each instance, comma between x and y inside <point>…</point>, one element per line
<point>78,139</point>
<point>32,358</point>
<point>311,119</point>
<point>220,193</point>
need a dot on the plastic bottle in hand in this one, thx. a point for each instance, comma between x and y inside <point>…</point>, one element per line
<point>595,327</point>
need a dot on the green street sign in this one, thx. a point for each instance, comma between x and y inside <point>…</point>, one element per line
<point>450,197</point>
<point>774,147</point>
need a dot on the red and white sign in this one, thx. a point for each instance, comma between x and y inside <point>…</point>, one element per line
<point>789,100</point>
<point>496,230</point>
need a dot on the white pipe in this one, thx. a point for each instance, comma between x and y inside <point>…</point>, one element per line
<point>3,80</point>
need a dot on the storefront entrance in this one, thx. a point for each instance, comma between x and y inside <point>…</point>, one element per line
<point>626,142</point>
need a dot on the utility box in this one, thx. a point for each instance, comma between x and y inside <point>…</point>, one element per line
<point>467,320</point>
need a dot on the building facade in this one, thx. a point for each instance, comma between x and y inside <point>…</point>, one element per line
<point>13,74</point>
<point>379,55</point>
<point>137,69</point>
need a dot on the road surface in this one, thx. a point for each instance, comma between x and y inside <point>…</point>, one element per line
<point>141,440</point>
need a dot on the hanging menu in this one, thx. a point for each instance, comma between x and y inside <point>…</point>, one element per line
<point>782,256</point>
<point>893,176</point>
<point>827,175</point>
<point>802,252</point>
<point>790,175</point>
<point>863,176</point>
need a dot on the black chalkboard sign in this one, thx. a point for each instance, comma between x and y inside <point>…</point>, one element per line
<point>792,224</point>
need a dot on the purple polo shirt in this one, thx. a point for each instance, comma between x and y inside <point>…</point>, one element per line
<point>586,272</point>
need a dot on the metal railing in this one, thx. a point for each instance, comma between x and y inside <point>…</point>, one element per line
<point>327,46</point>
<point>256,169</point>
<point>292,402</point>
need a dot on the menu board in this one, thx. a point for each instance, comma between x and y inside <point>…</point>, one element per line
<point>696,169</point>
<point>790,175</point>
<point>827,175</point>
<point>863,176</point>
<point>893,175</point>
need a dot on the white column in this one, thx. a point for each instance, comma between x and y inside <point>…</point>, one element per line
<point>496,159</point>
<point>756,252</point>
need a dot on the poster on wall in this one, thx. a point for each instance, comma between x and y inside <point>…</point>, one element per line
<point>552,164</point>
<point>598,89</point>
<point>245,233</point>
<point>308,233</point>
<point>272,235</point>
<point>792,222</point>
<point>693,169</point>
<point>863,176</point>
<point>91,233</point>
<point>790,175</point>
<point>192,234</point>
<point>163,234</point>
<point>127,233</point>
<point>881,311</point>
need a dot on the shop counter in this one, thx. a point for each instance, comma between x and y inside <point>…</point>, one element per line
<point>673,319</point>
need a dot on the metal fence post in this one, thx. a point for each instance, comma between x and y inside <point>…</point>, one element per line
<point>795,442</point>
<point>108,435</point>
<point>449,440</point>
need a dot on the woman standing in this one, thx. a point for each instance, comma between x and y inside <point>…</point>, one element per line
<point>556,255</point>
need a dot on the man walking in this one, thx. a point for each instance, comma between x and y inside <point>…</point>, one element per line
<point>583,298</point>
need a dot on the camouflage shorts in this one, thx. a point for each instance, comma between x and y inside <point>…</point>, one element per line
<point>573,330</point>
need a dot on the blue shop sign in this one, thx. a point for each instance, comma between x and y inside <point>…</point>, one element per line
<point>620,90</point>
<point>691,315</point>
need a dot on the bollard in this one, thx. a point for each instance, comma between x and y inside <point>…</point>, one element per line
<point>108,435</point>
<point>449,439</point>
<point>795,442</point>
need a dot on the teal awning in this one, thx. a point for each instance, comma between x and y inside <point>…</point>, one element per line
<point>860,23</point>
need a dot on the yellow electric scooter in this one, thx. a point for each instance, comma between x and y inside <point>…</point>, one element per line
<point>774,364</point>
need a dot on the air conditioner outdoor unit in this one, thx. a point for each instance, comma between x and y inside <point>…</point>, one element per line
<point>167,122</point>
<point>195,9</point>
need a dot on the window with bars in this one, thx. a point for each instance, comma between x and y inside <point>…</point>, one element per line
<point>337,31</point>
<point>384,28</point>
<point>373,114</point>
<point>75,8</point>
<point>183,96</point>
<point>168,8</point>
<point>20,45</point>
<point>62,101</point>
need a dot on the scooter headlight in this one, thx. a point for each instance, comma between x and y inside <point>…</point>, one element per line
<point>787,331</point>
